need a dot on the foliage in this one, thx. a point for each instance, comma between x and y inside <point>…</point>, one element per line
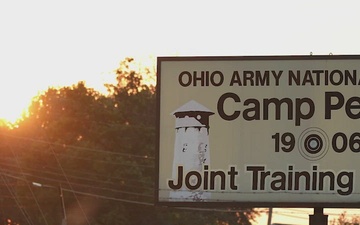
<point>344,220</point>
<point>100,151</point>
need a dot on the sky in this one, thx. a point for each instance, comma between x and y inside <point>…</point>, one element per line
<point>58,43</point>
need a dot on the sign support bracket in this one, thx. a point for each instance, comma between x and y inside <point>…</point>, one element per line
<point>318,218</point>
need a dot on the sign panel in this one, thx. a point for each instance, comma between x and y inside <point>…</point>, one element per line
<point>259,131</point>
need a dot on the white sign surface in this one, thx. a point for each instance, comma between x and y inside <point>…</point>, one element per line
<point>260,131</point>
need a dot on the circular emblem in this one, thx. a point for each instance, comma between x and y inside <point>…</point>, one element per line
<point>313,143</point>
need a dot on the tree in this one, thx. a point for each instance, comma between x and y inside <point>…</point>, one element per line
<point>100,150</point>
<point>344,220</point>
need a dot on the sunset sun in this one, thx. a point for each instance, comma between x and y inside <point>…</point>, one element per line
<point>15,100</point>
<point>11,114</point>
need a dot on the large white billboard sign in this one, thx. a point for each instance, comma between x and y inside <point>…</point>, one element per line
<point>259,131</point>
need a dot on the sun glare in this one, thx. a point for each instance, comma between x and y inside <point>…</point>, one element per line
<point>13,110</point>
<point>16,97</point>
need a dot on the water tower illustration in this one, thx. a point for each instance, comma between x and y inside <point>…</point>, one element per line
<point>191,149</point>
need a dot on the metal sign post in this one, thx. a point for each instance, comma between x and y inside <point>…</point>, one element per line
<point>318,218</point>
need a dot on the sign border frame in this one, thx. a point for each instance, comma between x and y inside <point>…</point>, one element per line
<point>214,204</point>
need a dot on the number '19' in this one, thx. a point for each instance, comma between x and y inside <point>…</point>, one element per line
<point>285,142</point>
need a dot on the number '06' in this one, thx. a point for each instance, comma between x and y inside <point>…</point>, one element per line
<point>340,142</point>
